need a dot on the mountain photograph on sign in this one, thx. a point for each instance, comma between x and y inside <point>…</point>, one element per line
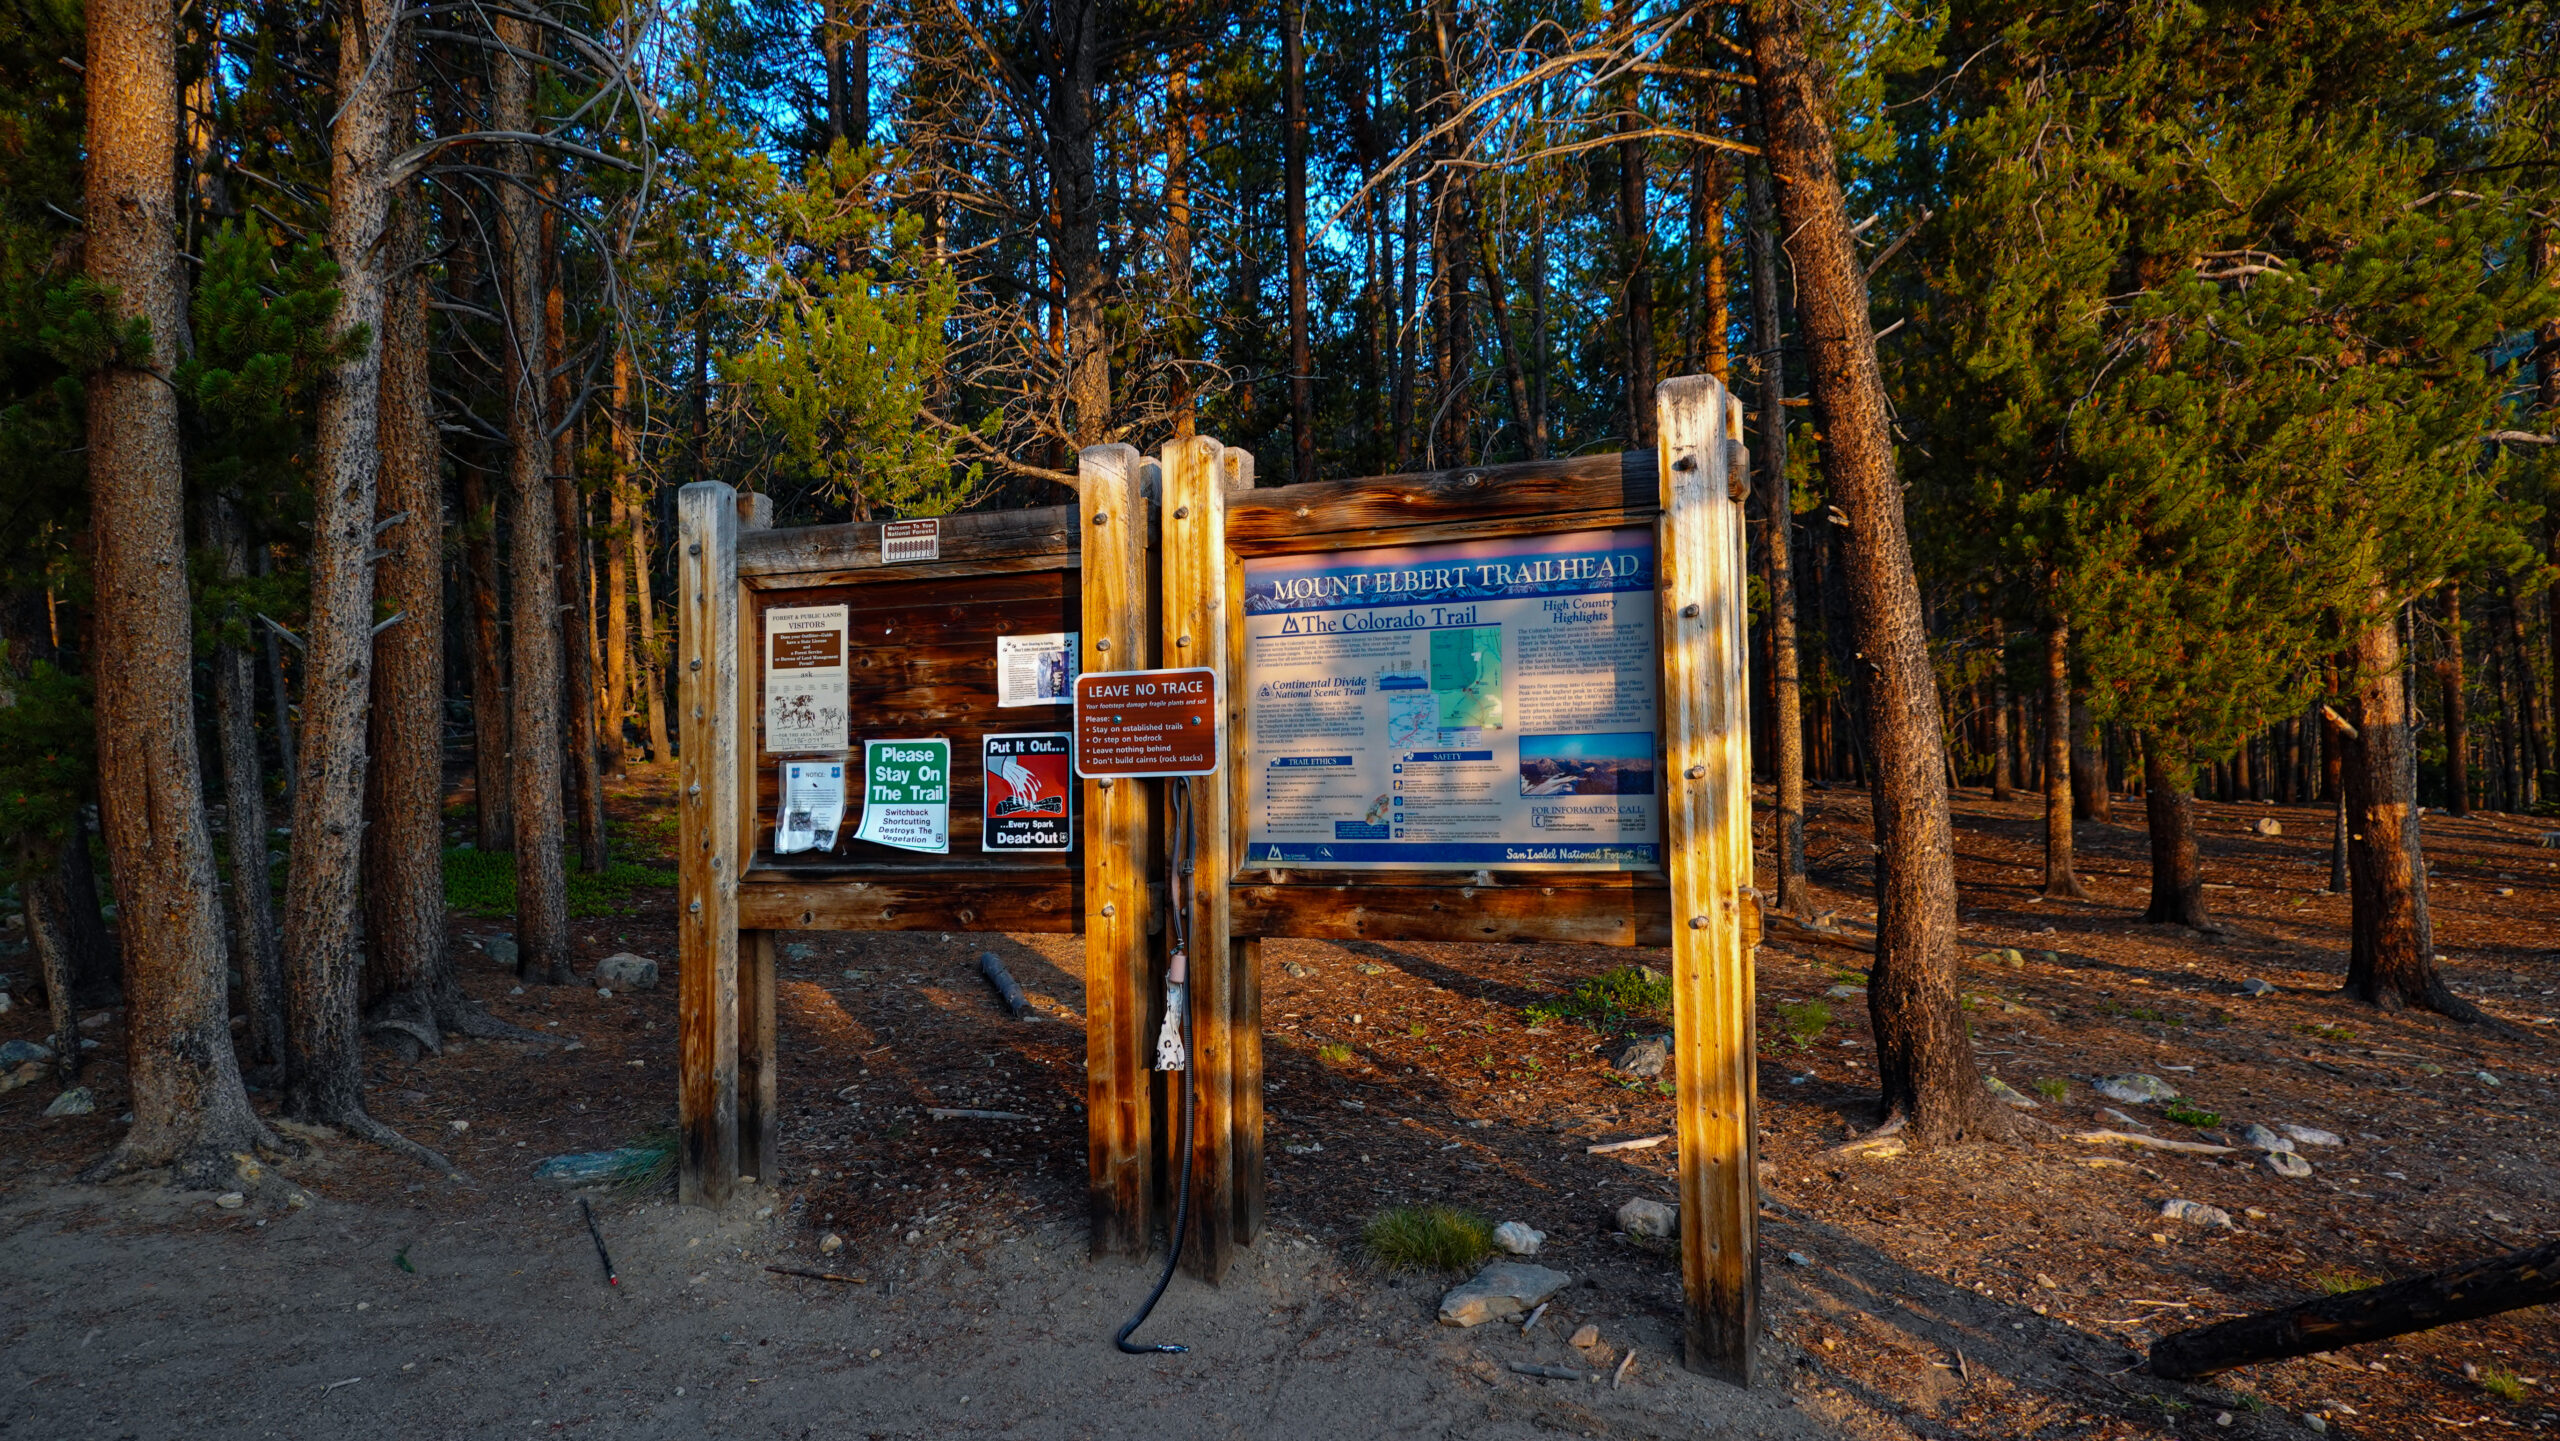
<point>1592,765</point>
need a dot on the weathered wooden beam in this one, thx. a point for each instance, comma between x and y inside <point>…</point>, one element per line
<point>708,853</point>
<point>1192,559</point>
<point>1701,607</point>
<point>1472,503</point>
<point>1244,956</point>
<point>1113,513</point>
<point>926,901</point>
<point>759,1062</point>
<point>2465,1292</point>
<point>972,543</point>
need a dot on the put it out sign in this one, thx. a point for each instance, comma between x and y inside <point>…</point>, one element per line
<point>906,794</point>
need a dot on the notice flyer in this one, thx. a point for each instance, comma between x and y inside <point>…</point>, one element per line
<point>1029,794</point>
<point>812,806</point>
<point>906,794</point>
<point>1480,705</point>
<point>1036,669</point>
<point>804,679</point>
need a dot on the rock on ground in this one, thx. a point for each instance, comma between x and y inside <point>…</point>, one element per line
<point>1641,1058</point>
<point>2268,826</point>
<point>632,973</point>
<point>2259,1138</point>
<point>1504,1288</point>
<point>2286,1163</point>
<point>74,1102</point>
<point>2135,1090</point>
<point>2257,987</point>
<point>18,1052</point>
<point>1645,1216</point>
<point>2196,1213</point>
<point>2007,1093</point>
<point>2310,1135</point>
<point>1519,1238</point>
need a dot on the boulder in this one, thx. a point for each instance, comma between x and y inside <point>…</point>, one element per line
<point>18,1052</point>
<point>1519,1238</point>
<point>501,949</point>
<point>2255,987</point>
<point>2268,826</point>
<point>1503,1288</point>
<point>1642,1058</point>
<point>2310,1135</point>
<point>27,1073</point>
<point>630,972</point>
<point>2286,1163</point>
<point>1645,1216</point>
<point>78,1101</point>
<point>2136,1090</point>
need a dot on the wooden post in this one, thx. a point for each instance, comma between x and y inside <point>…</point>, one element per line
<point>1224,1020</point>
<point>1706,765</point>
<point>759,1106</point>
<point>708,853</point>
<point>1244,958</point>
<point>1113,520</point>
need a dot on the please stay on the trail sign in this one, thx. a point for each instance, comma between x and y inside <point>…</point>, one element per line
<point>1147,723</point>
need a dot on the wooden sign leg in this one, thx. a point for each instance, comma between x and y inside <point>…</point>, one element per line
<point>759,1104</point>
<point>708,857</point>
<point>1706,770</point>
<point>1112,514</point>
<point>1226,1028</point>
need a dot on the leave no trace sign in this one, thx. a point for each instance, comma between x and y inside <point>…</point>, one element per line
<point>1147,723</point>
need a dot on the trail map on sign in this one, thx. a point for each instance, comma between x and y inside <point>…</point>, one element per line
<point>1482,705</point>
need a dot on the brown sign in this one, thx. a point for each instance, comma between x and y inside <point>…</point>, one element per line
<point>808,650</point>
<point>1147,723</point>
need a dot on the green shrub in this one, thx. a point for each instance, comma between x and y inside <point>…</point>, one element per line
<point>2053,1088</point>
<point>2339,1282</point>
<point>1610,999</point>
<point>1334,1054</point>
<point>2505,1385</point>
<point>2186,1115</point>
<point>1805,1021</point>
<point>1427,1238</point>
<point>483,883</point>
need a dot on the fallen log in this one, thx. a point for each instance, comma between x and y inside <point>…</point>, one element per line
<point>991,966</point>
<point>2439,1298</point>
<point>2153,1143</point>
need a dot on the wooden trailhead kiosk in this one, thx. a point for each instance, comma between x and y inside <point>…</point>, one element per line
<point>1500,703</point>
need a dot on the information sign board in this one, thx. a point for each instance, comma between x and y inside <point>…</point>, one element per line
<point>1477,705</point>
<point>1147,723</point>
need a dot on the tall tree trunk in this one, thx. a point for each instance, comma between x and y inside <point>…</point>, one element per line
<point>324,1059</point>
<point>1302,363</point>
<point>1924,1058</point>
<point>1635,248</point>
<point>244,798</point>
<point>2089,798</point>
<point>1769,356</point>
<point>1178,121</point>
<point>280,685</point>
<point>492,710</point>
<point>2528,703</point>
<point>2059,877</point>
<point>1707,188</point>
<point>2457,715</point>
<point>46,901</point>
<point>2001,753</point>
<point>617,570</point>
<point>652,667</point>
<point>542,907</point>
<point>1075,34</point>
<point>2391,961</point>
<point>569,534</point>
<point>2168,802</point>
<point>190,1112</point>
<point>1515,381</point>
<point>1408,338</point>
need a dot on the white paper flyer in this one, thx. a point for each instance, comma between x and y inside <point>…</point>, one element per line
<point>1036,669</point>
<point>812,806</point>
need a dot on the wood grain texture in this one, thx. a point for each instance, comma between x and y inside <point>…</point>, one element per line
<point>1473,503</point>
<point>759,1061</point>
<point>1244,957</point>
<point>882,900</point>
<point>707,849</point>
<point>972,543</point>
<point>1193,566</point>
<point>1706,752</point>
<point>1120,1007</point>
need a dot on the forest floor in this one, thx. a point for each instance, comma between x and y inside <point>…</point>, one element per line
<point>1981,1291</point>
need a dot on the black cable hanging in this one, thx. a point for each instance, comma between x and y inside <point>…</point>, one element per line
<point>1173,1049</point>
